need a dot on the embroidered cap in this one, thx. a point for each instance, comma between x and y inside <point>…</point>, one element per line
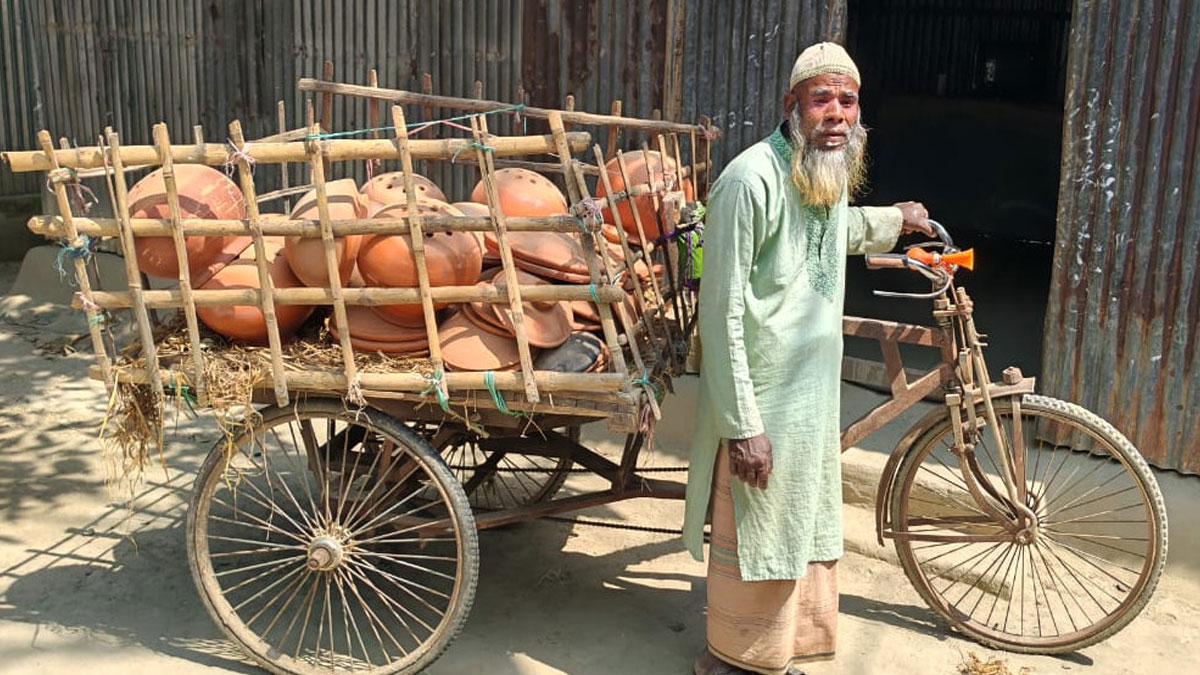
<point>822,58</point>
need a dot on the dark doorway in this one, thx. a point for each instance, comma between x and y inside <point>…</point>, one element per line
<point>964,99</point>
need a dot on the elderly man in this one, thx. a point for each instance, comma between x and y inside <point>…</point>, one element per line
<point>766,447</point>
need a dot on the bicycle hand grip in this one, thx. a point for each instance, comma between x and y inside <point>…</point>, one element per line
<point>880,261</point>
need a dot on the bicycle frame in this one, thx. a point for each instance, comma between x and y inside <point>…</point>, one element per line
<point>959,376</point>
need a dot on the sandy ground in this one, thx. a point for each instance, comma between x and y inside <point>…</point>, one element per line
<point>86,581</point>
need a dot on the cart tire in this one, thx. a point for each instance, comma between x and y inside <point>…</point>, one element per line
<point>328,539</point>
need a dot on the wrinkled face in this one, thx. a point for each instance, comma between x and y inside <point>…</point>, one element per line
<point>827,106</point>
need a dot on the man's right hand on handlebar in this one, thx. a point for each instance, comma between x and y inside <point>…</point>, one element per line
<point>916,218</point>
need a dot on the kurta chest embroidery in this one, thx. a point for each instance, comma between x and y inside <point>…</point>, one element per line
<point>820,233</point>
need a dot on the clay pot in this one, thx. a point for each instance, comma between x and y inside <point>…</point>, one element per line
<point>246,323</point>
<point>388,188</point>
<point>306,255</point>
<point>557,250</point>
<point>547,324</point>
<point>451,258</point>
<point>466,346</point>
<point>478,211</point>
<point>639,174</point>
<point>524,193</point>
<point>205,193</point>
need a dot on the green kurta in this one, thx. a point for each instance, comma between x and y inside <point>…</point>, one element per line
<point>770,321</point>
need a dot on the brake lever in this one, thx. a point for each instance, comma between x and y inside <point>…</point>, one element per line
<point>935,275</point>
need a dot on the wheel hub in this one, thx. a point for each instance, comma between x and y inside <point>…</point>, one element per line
<point>324,554</point>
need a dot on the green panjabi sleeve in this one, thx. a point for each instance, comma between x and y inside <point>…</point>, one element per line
<point>872,229</point>
<point>735,212</point>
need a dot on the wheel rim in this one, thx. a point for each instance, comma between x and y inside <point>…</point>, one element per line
<point>329,543</point>
<point>1062,580</point>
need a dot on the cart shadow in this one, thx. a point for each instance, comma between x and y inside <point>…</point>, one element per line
<point>124,578</point>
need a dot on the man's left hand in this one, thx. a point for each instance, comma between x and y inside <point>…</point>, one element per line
<point>916,218</point>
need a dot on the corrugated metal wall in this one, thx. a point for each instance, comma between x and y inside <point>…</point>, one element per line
<point>1123,326</point>
<point>76,67</point>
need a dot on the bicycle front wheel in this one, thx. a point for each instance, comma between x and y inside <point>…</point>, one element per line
<point>1081,572</point>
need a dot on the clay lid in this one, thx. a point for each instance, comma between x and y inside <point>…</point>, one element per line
<point>416,348</point>
<point>557,250</point>
<point>466,346</point>
<point>552,273</point>
<point>579,354</point>
<point>367,323</point>
<point>586,311</point>
<point>547,324</point>
<point>524,193</point>
<point>388,188</point>
<point>486,319</point>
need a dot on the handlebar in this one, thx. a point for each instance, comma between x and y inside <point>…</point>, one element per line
<point>936,265</point>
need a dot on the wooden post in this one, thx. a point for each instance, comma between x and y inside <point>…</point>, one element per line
<point>265,284</point>
<point>281,121</point>
<point>662,305</point>
<point>614,131</point>
<point>575,188</point>
<point>488,173</point>
<point>671,253</point>
<point>317,164</point>
<point>163,143</point>
<point>85,287</point>
<point>133,275</point>
<point>373,120</point>
<point>417,237</point>
<point>654,194</point>
<point>626,321</point>
<point>327,99</point>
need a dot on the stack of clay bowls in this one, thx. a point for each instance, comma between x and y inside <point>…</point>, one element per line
<point>204,193</point>
<point>371,331</point>
<point>639,172</point>
<point>246,323</point>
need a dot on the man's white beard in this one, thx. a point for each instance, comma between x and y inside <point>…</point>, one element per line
<point>822,175</point>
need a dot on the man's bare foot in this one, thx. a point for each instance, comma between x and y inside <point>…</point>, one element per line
<point>707,664</point>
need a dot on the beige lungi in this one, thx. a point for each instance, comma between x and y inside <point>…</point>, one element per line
<point>764,626</point>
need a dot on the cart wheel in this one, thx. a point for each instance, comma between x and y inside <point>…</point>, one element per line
<point>497,480</point>
<point>327,539</point>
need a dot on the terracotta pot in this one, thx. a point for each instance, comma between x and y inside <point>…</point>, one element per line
<point>388,188</point>
<point>205,193</point>
<point>557,250</point>
<point>306,255</point>
<point>246,323</point>
<point>466,346</point>
<point>547,324</point>
<point>478,211</point>
<point>451,258</point>
<point>639,174</point>
<point>524,193</point>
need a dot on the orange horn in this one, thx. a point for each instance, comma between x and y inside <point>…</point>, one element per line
<point>962,258</point>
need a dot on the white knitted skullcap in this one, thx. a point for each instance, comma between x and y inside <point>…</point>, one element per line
<point>822,58</point>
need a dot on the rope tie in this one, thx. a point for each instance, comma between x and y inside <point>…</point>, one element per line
<point>80,250</point>
<point>236,155</point>
<point>645,381</point>
<point>587,214</point>
<point>515,109</point>
<point>489,380</point>
<point>354,392</point>
<point>709,132</point>
<point>435,387</point>
<point>82,195</point>
<point>87,303</point>
<point>471,144</point>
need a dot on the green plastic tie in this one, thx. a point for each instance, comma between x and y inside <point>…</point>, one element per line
<point>435,387</point>
<point>489,379</point>
<point>595,296</point>
<point>357,132</point>
<point>645,381</point>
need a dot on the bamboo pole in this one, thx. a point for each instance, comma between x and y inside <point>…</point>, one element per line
<point>334,150</point>
<point>373,296</point>
<point>634,350</point>
<point>416,238</point>
<point>163,143</point>
<point>488,176</point>
<point>614,130</point>
<point>317,164</point>
<point>53,226</point>
<point>616,214</point>
<point>133,276</point>
<point>73,239</point>
<point>669,252</point>
<point>284,179</point>
<point>480,106</point>
<point>657,204</point>
<point>267,286</point>
<point>547,381</point>
<point>574,191</point>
